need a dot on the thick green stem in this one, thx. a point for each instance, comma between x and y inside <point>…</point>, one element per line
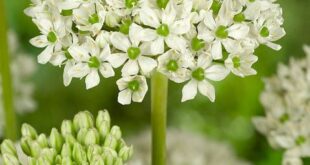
<point>7,90</point>
<point>159,93</point>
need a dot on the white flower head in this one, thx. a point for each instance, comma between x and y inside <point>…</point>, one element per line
<point>131,88</point>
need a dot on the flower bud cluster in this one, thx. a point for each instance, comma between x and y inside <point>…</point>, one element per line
<point>83,141</point>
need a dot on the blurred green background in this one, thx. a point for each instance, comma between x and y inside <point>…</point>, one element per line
<point>228,119</point>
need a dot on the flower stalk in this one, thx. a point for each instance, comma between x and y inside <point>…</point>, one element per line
<point>10,118</point>
<point>159,92</point>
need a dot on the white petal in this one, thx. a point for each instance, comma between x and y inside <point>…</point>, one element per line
<point>189,91</point>
<point>130,68</point>
<point>117,59</point>
<point>149,17</point>
<point>176,42</point>
<point>148,35</point>
<point>39,41</point>
<point>106,70</point>
<point>216,72</point>
<point>181,26</point>
<point>79,70</point>
<point>105,52</point>
<point>135,34</point>
<point>209,21</point>
<point>124,97</point>
<point>79,53</point>
<point>46,55</point>
<point>120,41</point>
<point>216,50</point>
<point>147,64</point>
<point>273,46</point>
<point>92,79</point>
<point>66,78</point>
<point>169,14</point>
<point>207,89</point>
<point>157,46</point>
<point>238,31</point>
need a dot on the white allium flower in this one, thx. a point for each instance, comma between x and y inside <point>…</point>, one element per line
<point>131,88</point>
<point>201,73</point>
<point>145,36</point>
<point>89,60</point>
<point>133,54</point>
<point>22,68</point>
<point>185,148</point>
<point>286,101</point>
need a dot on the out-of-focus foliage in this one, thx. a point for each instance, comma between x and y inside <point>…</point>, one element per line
<point>228,119</point>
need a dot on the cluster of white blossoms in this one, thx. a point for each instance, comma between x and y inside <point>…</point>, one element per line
<point>192,41</point>
<point>22,68</point>
<point>84,140</point>
<point>286,100</point>
<point>185,148</point>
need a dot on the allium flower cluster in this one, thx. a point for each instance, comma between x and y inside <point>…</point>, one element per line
<point>22,68</point>
<point>81,141</point>
<point>185,148</point>
<point>190,41</point>
<point>286,101</point>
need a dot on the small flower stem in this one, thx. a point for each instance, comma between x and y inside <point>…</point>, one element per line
<point>159,92</point>
<point>7,90</point>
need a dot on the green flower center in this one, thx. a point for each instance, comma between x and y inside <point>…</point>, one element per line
<point>264,32</point>
<point>51,37</point>
<point>134,85</point>
<point>197,44</point>
<point>221,32</point>
<point>198,74</point>
<point>239,17</point>
<point>216,6</point>
<point>300,140</point>
<point>133,52</point>
<point>172,65</point>
<point>130,3</point>
<point>236,62</point>
<point>124,28</point>
<point>66,12</point>
<point>94,18</point>
<point>162,3</point>
<point>284,118</point>
<point>163,30</point>
<point>94,62</point>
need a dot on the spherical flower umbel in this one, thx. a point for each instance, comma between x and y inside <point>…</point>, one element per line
<point>145,36</point>
<point>84,140</point>
<point>286,101</point>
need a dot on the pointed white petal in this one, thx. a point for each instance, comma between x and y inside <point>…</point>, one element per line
<point>207,89</point>
<point>189,91</point>
<point>92,79</point>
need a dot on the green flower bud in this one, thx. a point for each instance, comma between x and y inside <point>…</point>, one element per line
<point>83,120</point>
<point>43,161</point>
<point>118,161</point>
<point>66,150</point>
<point>9,159</point>
<point>70,139</point>
<point>8,147</point>
<point>49,155</point>
<point>42,140</point>
<point>67,128</point>
<point>56,140</point>
<point>110,142</point>
<point>126,152</point>
<point>78,153</point>
<point>116,132</point>
<point>67,161</point>
<point>103,116</point>
<point>97,160</point>
<point>29,131</point>
<point>93,151</point>
<point>104,129</point>
<point>92,137</point>
<point>35,148</point>
<point>109,156</point>
<point>82,135</point>
<point>31,161</point>
<point>25,145</point>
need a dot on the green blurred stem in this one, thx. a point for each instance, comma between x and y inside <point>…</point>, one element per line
<point>159,92</point>
<point>7,90</point>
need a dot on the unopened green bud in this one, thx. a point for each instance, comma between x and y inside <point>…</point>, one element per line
<point>56,140</point>
<point>66,150</point>
<point>43,161</point>
<point>110,142</point>
<point>9,159</point>
<point>126,152</point>
<point>35,148</point>
<point>42,140</point>
<point>70,139</point>
<point>78,153</point>
<point>31,161</point>
<point>29,131</point>
<point>118,161</point>
<point>104,129</point>
<point>25,145</point>
<point>109,156</point>
<point>83,120</point>
<point>67,128</point>
<point>93,150</point>
<point>67,161</point>
<point>82,135</point>
<point>8,147</point>
<point>116,132</point>
<point>92,137</point>
<point>103,117</point>
<point>49,155</point>
<point>97,160</point>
